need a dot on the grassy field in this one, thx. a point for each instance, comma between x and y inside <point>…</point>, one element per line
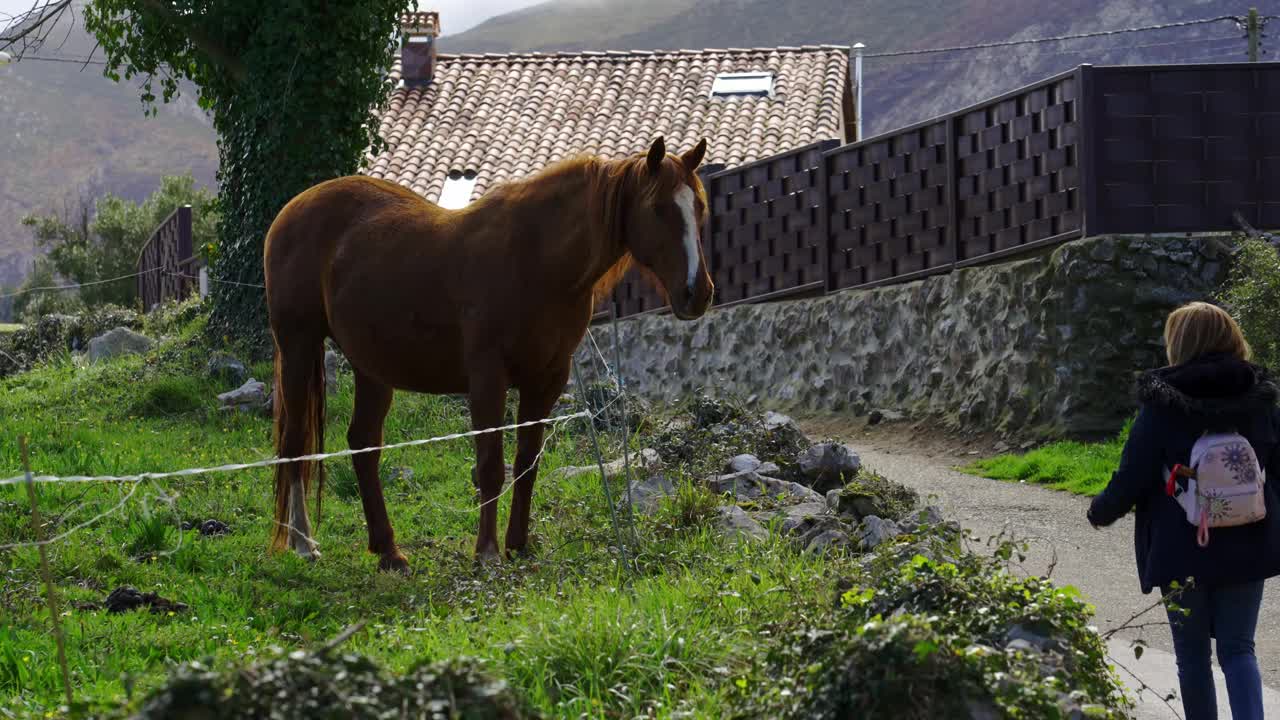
<point>555,626</point>
<point>1081,468</point>
<point>9,327</point>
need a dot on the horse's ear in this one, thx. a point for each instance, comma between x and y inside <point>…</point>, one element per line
<point>693,158</point>
<point>657,153</point>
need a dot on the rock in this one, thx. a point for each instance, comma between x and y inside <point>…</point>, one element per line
<point>226,369</point>
<point>250,396</point>
<point>769,469</point>
<point>982,710</point>
<point>826,540</point>
<point>783,433</point>
<point>1022,646</point>
<point>647,494</point>
<point>1023,636</point>
<point>796,519</point>
<point>397,474</point>
<point>118,342</point>
<point>874,531</point>
<point>214,527</point>
<point>734,522</point>
<point>853,505</point>
<point>878,416</point>
<point>753,486</point>
<point>827,466</point>
<point>124,599</point>
<point>742,463</point>
<point>646,461</point>
<point>331,362</point>
<point>921,519</point>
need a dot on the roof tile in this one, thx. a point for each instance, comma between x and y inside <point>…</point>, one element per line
<point>505,116</point>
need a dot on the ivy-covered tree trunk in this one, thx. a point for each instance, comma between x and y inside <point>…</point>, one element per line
<point>294,87</point>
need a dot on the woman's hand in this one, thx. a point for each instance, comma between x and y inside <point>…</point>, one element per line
<point>1089,516</point>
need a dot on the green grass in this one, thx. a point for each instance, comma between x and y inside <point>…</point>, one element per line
<point>9,327</point>
<point>556,626</point>
<point>1081,468</point>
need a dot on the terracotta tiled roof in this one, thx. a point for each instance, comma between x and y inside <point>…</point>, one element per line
<point>424,22</point>
<point>506,116</point>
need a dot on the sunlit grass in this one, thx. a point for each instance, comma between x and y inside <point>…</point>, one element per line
<point>568,630</point>
<point>1081,468</point>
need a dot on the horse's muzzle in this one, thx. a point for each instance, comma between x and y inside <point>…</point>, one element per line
<point>695,304</point>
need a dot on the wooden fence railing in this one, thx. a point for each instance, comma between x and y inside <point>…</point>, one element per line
<point>1096,150</point>
<point>167,264</point>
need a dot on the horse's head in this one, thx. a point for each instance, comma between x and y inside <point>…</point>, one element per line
<point>664,228</point>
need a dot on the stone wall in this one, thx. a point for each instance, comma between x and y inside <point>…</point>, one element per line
<point>1045,346</point>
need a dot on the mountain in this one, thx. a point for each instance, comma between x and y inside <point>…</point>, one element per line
<point>897,90</point>
<point>68,132</point>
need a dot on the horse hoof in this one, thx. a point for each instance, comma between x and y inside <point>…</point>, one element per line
<point>307,551</point>
<point>395,562</point>
<point>488,557</point>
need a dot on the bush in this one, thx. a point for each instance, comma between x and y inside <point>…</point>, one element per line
<point>1252,294</point>
<point>938,633</point>
<point>872,494</point>
<point>604,400</point>
<point>54,334</point>
<point>691,507</point>
<point>169,395</point>
<point>706,431</point>
<point>311,685</point>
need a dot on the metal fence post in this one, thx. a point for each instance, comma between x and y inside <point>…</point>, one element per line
<point>858,49</point>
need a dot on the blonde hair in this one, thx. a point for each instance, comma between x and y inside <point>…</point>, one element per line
<point>1199,328</point>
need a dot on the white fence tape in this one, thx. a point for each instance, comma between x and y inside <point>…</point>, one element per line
<point>19,479</point>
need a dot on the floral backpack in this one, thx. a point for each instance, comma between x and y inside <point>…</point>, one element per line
<point>1223,487</point>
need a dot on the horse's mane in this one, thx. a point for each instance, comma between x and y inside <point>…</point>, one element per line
<point>611,186</point>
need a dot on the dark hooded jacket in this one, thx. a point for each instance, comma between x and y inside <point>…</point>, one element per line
<point>1179,404</point>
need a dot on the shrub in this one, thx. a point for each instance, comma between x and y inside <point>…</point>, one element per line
<point>310,685</point>
<point>52,335</point>
<point>938,633</point>
<point>872,494</point>
<point>169,395</point>
<point>691,507</point>
<point>1252,294</point>
<point>706,431</point>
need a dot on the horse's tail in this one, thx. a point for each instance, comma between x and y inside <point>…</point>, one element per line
<point>299,430</point>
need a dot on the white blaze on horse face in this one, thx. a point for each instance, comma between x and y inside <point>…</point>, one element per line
<point>684,200</point>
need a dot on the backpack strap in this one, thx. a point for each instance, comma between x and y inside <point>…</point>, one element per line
<point>1179,470</point>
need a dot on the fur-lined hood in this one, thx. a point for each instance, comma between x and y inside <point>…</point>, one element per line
<point>1213,386</point>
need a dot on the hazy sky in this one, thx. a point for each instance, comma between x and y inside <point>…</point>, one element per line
<point>455,15</point>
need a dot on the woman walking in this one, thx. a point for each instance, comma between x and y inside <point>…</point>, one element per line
<point>1208,392</point>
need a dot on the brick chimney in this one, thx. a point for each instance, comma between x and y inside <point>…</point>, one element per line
<point>418,32</point>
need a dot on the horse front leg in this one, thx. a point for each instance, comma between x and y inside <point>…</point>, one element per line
<point>535,404</point>
<point>488,399</point>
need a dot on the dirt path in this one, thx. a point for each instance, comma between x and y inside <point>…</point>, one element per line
<point>1098,562</point>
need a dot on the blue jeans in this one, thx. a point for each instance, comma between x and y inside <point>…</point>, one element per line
<point>1230,614</point>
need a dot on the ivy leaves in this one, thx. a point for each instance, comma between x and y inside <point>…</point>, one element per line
<point>295,88</point>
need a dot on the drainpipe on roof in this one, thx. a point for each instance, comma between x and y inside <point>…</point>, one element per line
<point>857,100</point>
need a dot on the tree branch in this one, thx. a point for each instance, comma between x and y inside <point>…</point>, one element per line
<point>31,22</point>
<point>215,50</point>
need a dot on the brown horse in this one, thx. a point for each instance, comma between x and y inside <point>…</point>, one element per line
<point>472,301</point>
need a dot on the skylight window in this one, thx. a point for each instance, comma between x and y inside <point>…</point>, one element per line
<point>743,83</point>
<point>457,190</point>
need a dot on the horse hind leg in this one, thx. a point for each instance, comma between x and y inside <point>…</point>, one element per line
<point>299,431</point>
<point>373,400</point>
<point>488,404</point>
